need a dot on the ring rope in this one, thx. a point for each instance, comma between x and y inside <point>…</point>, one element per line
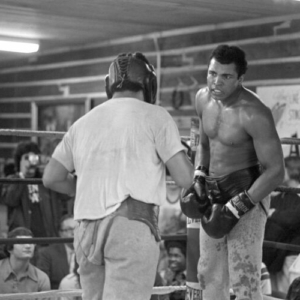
<point>22,180</point>
<point>73,293</point>
<point>156,290</point>
<point>60,134</point>
<point>48,134</point>
<point>58,240</point>
<point>39,181</point>
<point>53,240</point>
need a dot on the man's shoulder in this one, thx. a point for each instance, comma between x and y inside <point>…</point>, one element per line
<point>250,97</point>
<point>202,94</point>
<point>158,115</point>
<point>37,273</point>
<point>4,265</point>
<point>156,108</point>
<point>201,99</point>
<point>251,104</point>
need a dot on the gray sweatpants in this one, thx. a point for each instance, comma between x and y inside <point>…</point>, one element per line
<point>235,260</point>
<point>117,259</point>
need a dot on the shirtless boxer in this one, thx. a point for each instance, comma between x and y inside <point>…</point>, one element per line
<point>241,162</point>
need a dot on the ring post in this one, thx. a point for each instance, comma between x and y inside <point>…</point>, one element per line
<point>193,291</point>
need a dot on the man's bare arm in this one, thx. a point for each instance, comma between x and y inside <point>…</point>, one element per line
<point>181,169</point>
<point>56,177</point>
<point>260,125</point>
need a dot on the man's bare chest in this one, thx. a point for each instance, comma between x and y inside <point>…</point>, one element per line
<point>224,124</point>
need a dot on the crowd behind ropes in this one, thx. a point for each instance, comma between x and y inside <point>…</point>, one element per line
<point>26,209</point>
<point>31,210</point>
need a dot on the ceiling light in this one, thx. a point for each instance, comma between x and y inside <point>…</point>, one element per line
<point>21,47</point>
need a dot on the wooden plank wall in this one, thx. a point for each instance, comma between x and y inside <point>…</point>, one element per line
<point>180,57</point>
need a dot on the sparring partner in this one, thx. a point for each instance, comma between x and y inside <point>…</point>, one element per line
<point>119,152</point>
<point>241,162</point>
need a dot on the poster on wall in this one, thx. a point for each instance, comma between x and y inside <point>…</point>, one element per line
<point>56,117</point>
<point>284,102</point>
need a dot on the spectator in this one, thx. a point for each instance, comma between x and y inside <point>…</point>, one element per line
<point>71,282</point>
<point>159,283</point>
<point>292,164</point>
<point>283,225</point>
<point>175,273</point>
<point>32,206</point>
<point>17,274</point>
<point>294,290</point>
<point>8,169</point>
<point>57,260</point>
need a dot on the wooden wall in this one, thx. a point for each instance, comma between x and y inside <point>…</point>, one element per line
<point>179,56</point>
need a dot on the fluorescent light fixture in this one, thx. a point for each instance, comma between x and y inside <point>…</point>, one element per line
<point>20,47</point>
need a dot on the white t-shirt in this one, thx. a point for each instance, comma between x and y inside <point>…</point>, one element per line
<point>119,149</point>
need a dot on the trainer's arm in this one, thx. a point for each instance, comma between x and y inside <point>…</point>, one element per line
<point>56,177</point>
<point>181,169</point>
<point>260,125</point>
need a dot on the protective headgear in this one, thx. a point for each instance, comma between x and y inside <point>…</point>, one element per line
<point>132,68</point>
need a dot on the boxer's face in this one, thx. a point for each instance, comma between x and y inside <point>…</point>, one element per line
<point>222,79</point>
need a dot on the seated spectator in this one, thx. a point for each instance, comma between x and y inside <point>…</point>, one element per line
<point>17,274</point>
<point>57,260</point>
<point>32,206</point>
<point>8,169</point>
<point>159,283</point>
<point>294,290</point>
<point>175,273</point>
<point>71,282</point>
<point>283,225</point>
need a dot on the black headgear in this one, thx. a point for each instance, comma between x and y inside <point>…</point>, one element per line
<point>133,69</point>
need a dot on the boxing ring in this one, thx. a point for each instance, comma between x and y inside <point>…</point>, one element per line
<point>192,235</point>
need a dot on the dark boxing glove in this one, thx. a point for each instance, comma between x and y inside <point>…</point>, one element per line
<point>224,217</point>
<point>194,201</point>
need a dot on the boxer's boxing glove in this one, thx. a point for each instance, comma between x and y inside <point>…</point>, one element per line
<point>224,217</point>
<point>194,201</point>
